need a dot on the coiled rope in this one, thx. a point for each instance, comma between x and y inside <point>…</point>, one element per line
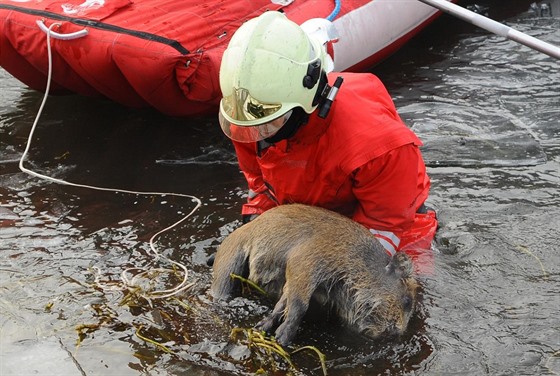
<point>130,283</point>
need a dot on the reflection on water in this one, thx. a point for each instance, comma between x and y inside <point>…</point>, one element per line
<point>487,110</point>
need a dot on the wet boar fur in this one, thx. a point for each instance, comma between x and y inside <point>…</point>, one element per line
<point>297,252</point>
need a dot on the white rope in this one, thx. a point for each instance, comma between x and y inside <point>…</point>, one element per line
<point>129,282</point>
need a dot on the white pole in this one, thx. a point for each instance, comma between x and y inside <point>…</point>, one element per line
<point>495,27</point>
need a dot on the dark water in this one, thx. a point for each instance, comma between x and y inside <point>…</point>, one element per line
<point>488,111</point>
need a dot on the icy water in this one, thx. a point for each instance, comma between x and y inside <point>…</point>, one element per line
<point>488,112</point>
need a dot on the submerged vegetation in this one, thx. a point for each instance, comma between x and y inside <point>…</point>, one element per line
<point>161,324</point>
<point>266,352</point>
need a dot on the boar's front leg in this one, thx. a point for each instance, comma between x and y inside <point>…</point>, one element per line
<point>271,322</point>
<point>294,302</point>
<point>300,285</point>
<point>296,307</point>
<point>285,317</point>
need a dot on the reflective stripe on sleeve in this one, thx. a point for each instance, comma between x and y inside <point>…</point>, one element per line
<point>252,194</point>
<point>388,240</point>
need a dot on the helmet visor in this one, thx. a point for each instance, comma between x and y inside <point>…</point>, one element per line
<point>243,133</point>
<point>242,108</point>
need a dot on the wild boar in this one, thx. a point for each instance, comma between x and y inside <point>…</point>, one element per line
<point>298,253</point>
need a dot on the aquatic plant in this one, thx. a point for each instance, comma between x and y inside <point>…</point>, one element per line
<point>265,350</point>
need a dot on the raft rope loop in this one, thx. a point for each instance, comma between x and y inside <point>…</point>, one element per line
<point>129,282</point>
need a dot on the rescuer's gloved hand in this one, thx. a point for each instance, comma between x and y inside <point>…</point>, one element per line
<point>246,218</point>
<point>210,259</point>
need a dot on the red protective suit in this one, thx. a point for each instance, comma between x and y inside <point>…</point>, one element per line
<point>361,161</point>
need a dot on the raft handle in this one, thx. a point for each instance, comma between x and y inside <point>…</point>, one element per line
<point>74,35</point>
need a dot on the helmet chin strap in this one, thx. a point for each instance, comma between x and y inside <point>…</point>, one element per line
<point>322,88</point>
<point>298,118</point>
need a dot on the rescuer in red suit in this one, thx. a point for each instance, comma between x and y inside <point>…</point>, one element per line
<point>303,135</point>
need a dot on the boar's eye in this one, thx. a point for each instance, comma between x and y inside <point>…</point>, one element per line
<point>407,302</point>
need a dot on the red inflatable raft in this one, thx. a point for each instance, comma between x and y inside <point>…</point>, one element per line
<point>166,53</point>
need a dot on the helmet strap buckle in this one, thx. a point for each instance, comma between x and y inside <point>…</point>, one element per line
<point>313,73</point>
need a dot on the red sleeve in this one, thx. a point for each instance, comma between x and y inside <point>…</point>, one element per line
<point>390,189</point>
<point>259,197</point>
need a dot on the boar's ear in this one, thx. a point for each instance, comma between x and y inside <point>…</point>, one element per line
<point>389,268</point>
<point>392,265</point>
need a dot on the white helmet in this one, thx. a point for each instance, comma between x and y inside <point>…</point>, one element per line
<point>270,67</point>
